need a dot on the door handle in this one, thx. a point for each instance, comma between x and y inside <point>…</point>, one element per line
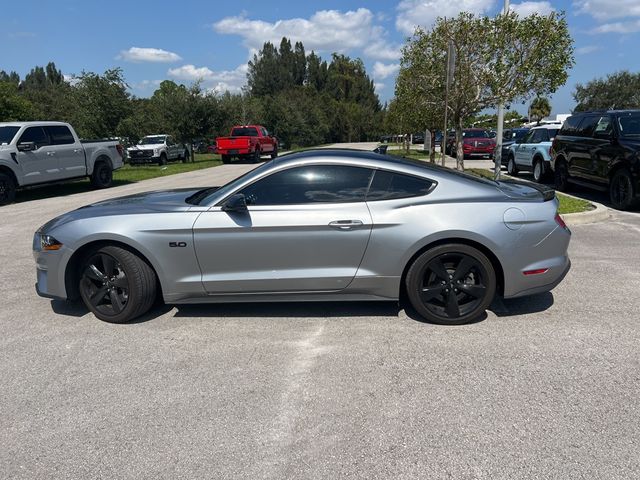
<point>345,224</point>
<point>76,150</point>
<point>51,153</point>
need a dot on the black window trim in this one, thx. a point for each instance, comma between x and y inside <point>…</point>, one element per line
<point>43,127</point>
<point>51,138</point>
<point>395,172</point>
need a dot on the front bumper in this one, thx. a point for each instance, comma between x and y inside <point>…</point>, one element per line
<point>50,274</point>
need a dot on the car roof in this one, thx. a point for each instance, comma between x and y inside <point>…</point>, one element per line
<point>547,126</point>
<point>32,124</point>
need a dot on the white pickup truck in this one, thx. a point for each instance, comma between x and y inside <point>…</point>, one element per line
<point>158,149</point>
<point>33,153</point>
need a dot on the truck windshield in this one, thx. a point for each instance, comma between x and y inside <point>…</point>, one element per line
<point>629,124</point>
<point>7,134</point>
<point>244,132</point>
<point>151,140</point>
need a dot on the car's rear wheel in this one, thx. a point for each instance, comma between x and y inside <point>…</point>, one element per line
<point>561,176</point>
<point>621,190</point>
<point>256,156</point>
<point>274,154</point>
<point>102,175</point>
<point>226,158</point>
<point>538,170</point>
<point>7,189</point>
<point>185,156</point>
<point>451,284</point>
<point>512,169</point>
<point>116,285</point>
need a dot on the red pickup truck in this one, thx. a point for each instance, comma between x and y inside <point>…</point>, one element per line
<point>247,141</point>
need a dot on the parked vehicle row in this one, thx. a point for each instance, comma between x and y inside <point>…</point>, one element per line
<point>476,142</point>
<point>158,149</point>
<point>36,153</point>
<point>531,152</point>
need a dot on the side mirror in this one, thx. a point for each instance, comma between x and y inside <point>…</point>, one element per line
<point>26,147</point>
<point>235,203</point>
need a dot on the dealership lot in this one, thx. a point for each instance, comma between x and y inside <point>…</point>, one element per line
<point>544,387</point>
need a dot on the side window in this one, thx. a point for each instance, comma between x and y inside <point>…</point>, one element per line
<point>603,128</point>
<point>587,125</point>
<point>60,135</point>
<point>36,135</point>
<point>388,185</point>
<point>310,184</point>
<point>529,138</point>
<point>570,126</point>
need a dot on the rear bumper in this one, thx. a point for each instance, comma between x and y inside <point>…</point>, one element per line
<point>235,151</point>
<point>557,275</point>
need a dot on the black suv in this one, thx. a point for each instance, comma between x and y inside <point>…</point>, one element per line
<point>600,150</point>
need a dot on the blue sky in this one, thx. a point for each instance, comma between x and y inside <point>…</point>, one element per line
<point>212,40</point>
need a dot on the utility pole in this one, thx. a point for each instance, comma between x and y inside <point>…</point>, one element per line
<point>450,67</point>
<point>497,156</point>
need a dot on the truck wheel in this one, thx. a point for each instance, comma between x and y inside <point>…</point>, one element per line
<point>185,156</point>
<point>561,176</point>
<point>7,189</point>
<point>226,158</point>
<point>256,156</point>
<point>102,175</point>
<point>163,159</point>
<point>274,154</point>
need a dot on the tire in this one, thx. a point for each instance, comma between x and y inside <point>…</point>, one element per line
<point>561,176</point>
<point>451,284</point>
<point>512,169</point>
<point>185,156</point>
<point>274,154</point>
<point>102,176</point>
<point>163,159</point>
<point>7,189</point>
<point>256,156</point>
<point>539,171</point>
<point>621,191</point>
<point>226,158</point>
<point>116,285</point>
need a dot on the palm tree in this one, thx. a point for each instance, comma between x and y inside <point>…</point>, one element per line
<point>539,108</point>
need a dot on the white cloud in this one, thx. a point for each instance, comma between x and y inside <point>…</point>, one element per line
<point>154,55</point>
<point>379,87</point>
<point>525,9</point>
<point>608,9</point>
<point>587,49</point>
<point>325,31</point>
<point>147,84</point>
<point>618,27</point>
<point>412,13</point>
<point>383,70</point>
<point>71,79</point>
<point>225,80</point>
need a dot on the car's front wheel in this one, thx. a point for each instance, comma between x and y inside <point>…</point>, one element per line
<point>451,284</point>
<point>561,176</point>
<point>116,285</point>
<point>7,189</point>
<point>538,170</point>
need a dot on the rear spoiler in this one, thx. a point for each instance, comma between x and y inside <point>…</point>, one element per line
<point>548,193</point>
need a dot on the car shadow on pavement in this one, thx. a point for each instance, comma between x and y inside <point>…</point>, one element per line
<point>289,309</point>
<point>503,307</point>
<point>77,309</point>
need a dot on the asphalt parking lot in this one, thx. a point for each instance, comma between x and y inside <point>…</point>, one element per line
<point>543,387</point>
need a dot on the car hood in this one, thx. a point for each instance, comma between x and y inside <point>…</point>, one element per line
<point>149,146</point>
<point>142,203</point>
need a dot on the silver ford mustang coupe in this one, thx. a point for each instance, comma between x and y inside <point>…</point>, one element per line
<point>317,225</point>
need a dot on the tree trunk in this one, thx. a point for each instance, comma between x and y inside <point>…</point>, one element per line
<point>459,150</point>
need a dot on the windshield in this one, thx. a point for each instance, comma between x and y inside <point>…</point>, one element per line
<point>7,134</point>
<point>475,134</point>
<point>629,124</point>
<point>244,132</point>
<point>205,197</point>
<point>152,140</point>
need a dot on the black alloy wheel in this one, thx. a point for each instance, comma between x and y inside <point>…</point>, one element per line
<point>102,176</point>
<point>561,176</point>
<point>7,189</point>
<point>621,190</point>
<point>116,285</point>
<point>451,284</point>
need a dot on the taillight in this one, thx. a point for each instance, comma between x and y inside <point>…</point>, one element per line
<point>560,221</point>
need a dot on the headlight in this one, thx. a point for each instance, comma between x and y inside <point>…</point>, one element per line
<point>48,243</point>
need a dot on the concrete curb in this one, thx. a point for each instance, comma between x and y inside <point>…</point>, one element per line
<point>599,214</point>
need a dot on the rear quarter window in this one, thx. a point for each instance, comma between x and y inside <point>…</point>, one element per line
<point>390,185</point>
<point>570,126</point>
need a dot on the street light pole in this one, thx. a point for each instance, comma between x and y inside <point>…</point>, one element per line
<point>497,156</point>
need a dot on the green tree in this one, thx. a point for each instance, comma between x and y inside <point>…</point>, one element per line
<point>540,107</point>
<point>497,60</point>
<point>11,77</point>
<point>618,90</point>
<point>13,106</point>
